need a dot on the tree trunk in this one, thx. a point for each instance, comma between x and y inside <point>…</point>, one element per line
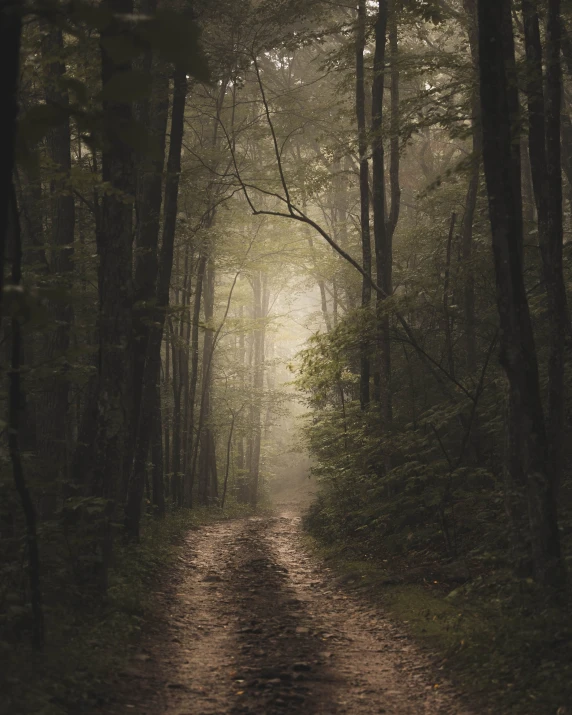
<point>242,490</point>
<point>446,314</point>
<point>381,227</point>
<point>52,412</point>
<point>227,465</point>
<point>260,309</point>
<point>546,165</point>
<point>152,114</point>
<point>176,481</point>
<point>114,247</point>
<point>552,250</point>
<point>190,477</point>
<point>394,157</point>
<point>471,196</point>
<point>10,33</point>
<point>501,158</point>
<point>167,452</point>
<point>14,409</point>
<point>153,357</point>
<point>157,455</point>
<point>364,196</point>
<point>185,347</point>
<point>213,484</point>
<point>203,435</point>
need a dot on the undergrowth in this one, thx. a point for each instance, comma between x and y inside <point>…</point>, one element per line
<point>496,637</point>
<point>87,644</point>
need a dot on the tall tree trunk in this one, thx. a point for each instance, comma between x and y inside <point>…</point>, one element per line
<point>176,480</point>
<point>204,426</point>
<point>501,158</point>
<point>167,422</point>
<point>546,165</point>
<point>153,357</point>
<point>10,33</point>
<point>364,196</point>
<point>242,491</point>
<point>152,114</point>
<point>227,464</point>
<point>52,413</point>
<point>567,151</point>
<point>213,470</point>
<point>394,157</point>
<point>446,313</point>
<point>190,477</point>
<point>471,196</point>
<point>260,308</point>
<point>185,348</point>
<point>157,455</point>
<point>324,304</point>
<point>382,230</point>
<point>114,246</point>
<point>14,410</point>
<point>552,250</point>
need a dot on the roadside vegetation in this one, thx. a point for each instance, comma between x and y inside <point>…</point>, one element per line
<point>92,641</point>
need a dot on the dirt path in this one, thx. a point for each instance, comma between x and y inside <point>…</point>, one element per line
<point>252,624</point>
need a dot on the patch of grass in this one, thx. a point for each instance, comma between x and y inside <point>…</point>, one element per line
<point>86,646</point>
<point>496,638</point>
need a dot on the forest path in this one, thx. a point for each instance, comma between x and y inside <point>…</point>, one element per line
<point>253,624</point>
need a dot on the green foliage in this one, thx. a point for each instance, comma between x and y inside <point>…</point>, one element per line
<point>496,637</point>
<point>88,641</point>
<point>172,35</point>
<point>436,498</point>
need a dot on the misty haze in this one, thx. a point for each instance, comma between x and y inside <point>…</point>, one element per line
<point>285,357</point>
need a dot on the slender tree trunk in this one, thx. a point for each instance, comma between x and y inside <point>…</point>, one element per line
<point>10,33</point>
<point>153,359</point>
<point>167,452</point>
<point>382,228</point>
<point>552,251</point>
<point>201,268</point>
<point>471,196</point>
<point>242,491</point>
<point>260,308</point>
<point>40,429</point>
<point>204,433</point>
<point>157,455</point>
<point>324,304</point>
<point>14,408</point>
<point>501,158</point>
<point>152,114</point>
<point>227,465</point>
<point>335,314</point>
<point>364,196</point>
<point>185,347</point>
<point>446,314</point>
<point>176,480</point>
<point>546,165</point>
<point>394,157</point>
<point>529,203</point>
<point>567,151</point>
<point>52,412</point>
<point>114,246</point>
<point>213,483</point>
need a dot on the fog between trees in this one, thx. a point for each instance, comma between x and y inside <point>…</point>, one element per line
<point>233,231</point>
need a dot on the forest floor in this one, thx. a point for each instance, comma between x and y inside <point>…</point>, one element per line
<point>250,622</point>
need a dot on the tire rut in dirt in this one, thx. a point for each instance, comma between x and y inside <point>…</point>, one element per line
<point>280,668</point>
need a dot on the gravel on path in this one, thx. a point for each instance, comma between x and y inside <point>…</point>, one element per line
<point>250,623</point>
